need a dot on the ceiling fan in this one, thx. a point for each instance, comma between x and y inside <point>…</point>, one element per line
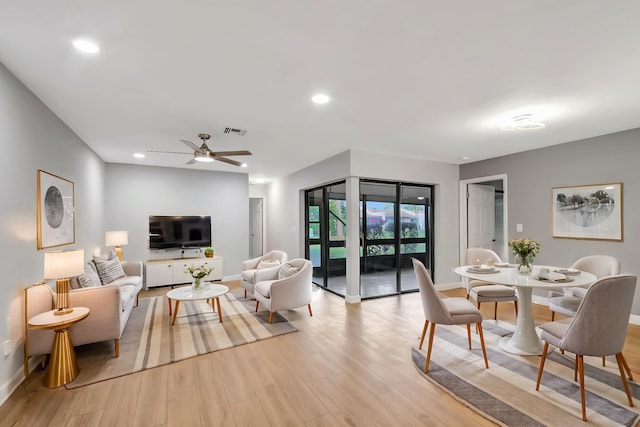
<point>206,155</point>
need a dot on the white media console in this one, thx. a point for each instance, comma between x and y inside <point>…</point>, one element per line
<point>164,272</point>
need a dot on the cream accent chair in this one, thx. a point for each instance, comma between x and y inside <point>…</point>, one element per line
<point>445,311</point>
<point>598,329</point>
<point>287,293</point>
<point>249,268</point>
<point>598,265</point>
<point>482,291</point>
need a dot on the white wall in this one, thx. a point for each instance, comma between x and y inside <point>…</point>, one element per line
<point>135,192</point>
<point>34,138</point>
<point>286,200</point>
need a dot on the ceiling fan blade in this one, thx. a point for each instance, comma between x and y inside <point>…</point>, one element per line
<point>167,152</point>
<point>225,160</point>
<point>190,162</point>
<point>232,153</point>
<point>191,145</point>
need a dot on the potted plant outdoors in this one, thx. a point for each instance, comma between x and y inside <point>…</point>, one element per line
<point>208,252</point>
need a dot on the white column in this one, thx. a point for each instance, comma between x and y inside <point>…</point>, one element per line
<point>353,240</point>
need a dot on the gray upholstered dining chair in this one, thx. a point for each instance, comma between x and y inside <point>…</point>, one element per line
<point>598,265</point>
<point>598,329</point>
<point>482,291</point>
<point>445,311</point>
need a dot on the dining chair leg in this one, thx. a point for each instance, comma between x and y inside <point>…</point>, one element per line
<point>432,331</point>
<point>469,334</point>
<point>626,367</point>
<point>310,312</point>
<point>515,303</point>
<point>553,316</point>
<point>424,332</point>
<point>575,369</point>
<point>271,317</point>
<point>582,394</point>
<point>543,357</point>
<point>245,293</point>
<point>257,304</point>
<point>484,349</point>
<point>621,363</point>
<point>495,311</point>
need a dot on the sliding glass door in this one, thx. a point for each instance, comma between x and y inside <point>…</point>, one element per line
<point>395,225</point>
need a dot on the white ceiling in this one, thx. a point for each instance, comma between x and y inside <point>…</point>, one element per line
<point>427,79</point>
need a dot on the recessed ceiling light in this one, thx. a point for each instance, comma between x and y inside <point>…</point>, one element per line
<point>244,165</point>
<point>86,46</point>
<point>139,155</point>
<point>464,158</point>
<point>320,98</point>
<point>523,122</point>
<point>259,181</point>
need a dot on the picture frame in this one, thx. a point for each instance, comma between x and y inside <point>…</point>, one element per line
<point>55,211</point>
<point>587,212</point>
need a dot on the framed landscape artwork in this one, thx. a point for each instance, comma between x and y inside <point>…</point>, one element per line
<point>56,211</point>
<point>587,211</point>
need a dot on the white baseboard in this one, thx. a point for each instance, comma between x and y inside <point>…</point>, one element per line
<point>8,388</point>
<point>352,299</point>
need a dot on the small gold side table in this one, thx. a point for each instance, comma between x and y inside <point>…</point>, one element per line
<point>63,367</point>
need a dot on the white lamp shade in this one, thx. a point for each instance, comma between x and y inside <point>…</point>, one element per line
<point>59,265</point>
<point>117,238</point>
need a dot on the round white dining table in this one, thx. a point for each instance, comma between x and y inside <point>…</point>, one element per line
<point>525,340</point>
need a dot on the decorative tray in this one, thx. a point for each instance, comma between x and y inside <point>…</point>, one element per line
<point>555,280</point>
<point>482,270</point>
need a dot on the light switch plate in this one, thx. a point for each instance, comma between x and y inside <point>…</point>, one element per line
<point>519,228</point>
<point>7,347</point>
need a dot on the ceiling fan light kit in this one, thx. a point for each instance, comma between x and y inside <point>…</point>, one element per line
<point>204,154</point>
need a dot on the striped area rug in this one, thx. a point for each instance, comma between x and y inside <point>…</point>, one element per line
<point>149,339</point>
<point>505,393</point>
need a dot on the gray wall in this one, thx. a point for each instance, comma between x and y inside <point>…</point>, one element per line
<point>135,192</point>
<point>34,138</point>
<point>532,175</point>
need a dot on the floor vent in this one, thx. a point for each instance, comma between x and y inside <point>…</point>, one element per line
<point>235,131</point>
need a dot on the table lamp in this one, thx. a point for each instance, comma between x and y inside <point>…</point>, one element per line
<point>117,239</point>
<point>61,266</point>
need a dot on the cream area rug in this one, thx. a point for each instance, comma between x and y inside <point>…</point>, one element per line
<point>505,393</point>
<point>149,339</point>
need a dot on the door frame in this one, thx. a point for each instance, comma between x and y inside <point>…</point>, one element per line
<point>464,213</point>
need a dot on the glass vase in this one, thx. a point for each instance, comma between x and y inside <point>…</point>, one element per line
<point>524,268</point>
<point>197,285</point>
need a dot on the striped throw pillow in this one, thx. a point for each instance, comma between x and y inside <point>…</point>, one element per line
<point>109,270</point>
<point>287,270</point>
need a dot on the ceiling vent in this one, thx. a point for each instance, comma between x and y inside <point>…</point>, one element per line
<point>235,131</point>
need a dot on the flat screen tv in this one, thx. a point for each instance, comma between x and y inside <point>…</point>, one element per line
<point>179,232</point>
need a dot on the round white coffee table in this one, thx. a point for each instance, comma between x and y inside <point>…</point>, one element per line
<point>185,293</point>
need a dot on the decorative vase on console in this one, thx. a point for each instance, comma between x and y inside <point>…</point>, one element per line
<point>525,251</point>
<point>198,272</point>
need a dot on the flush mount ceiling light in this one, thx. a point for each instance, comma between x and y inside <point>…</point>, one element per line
<point>86,46</point>
<point>139,156</point>
<point>320,98</point>
<point>523,122</point>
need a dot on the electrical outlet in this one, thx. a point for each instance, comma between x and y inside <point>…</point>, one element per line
<point>7,347</point>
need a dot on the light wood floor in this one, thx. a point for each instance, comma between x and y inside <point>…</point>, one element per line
<point>349,365</point>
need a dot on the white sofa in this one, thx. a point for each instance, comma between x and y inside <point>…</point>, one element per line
<point>251,266</point>
<point>110,307</point>
<point>287,293</point>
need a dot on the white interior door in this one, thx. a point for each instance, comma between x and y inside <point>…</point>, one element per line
<point>255,227</point>
<point>481,214</point>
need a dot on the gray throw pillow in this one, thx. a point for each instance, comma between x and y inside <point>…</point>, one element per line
<point>89,279</point>
<point>287,270</point>
<point>109,270</point>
